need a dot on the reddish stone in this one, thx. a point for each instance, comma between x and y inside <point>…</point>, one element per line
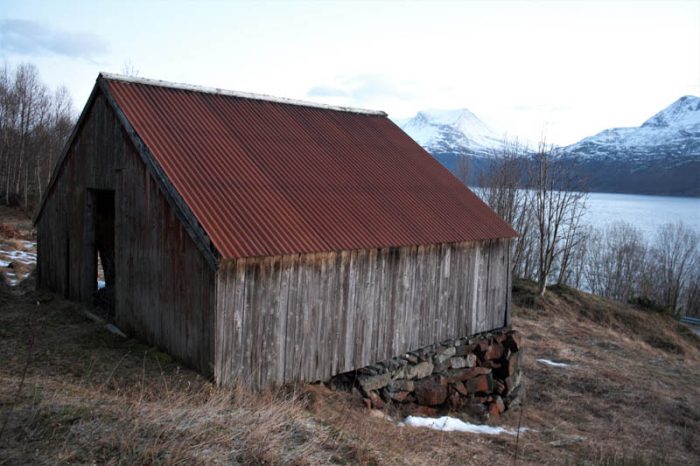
<point>367,402</point>
<point>482,383</point>
<point>460,375</point>
<point>430,392</point>
<point>493,410</point>
<point>460,388</point>
<point>494,351</point>
<point>376,400</point>
<point>500,338</point>
<point>499,404</point>
<point>399,396</point>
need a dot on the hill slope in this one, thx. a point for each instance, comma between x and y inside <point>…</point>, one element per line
<point>628,396</point>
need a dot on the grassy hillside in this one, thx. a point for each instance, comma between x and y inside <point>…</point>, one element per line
<point>71,392</point>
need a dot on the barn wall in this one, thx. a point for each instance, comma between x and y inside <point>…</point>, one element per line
<point>164,287</point>
<point>307,317</point>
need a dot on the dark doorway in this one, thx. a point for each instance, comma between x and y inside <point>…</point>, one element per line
<point>103,278</point>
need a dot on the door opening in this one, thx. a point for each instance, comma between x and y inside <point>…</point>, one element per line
<point>104,276</point>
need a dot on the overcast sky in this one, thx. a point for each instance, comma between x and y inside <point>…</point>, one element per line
<point>567,69</point>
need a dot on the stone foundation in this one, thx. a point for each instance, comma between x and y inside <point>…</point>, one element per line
<point>479,375</point>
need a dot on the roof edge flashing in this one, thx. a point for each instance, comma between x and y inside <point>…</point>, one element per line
<point>242,95</point>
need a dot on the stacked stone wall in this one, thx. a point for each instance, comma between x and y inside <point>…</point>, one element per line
<point>479,375</point>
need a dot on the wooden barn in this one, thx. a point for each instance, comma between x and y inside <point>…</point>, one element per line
<point>263,240</point>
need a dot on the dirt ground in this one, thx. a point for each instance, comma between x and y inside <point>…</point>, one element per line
<point>71,392</point>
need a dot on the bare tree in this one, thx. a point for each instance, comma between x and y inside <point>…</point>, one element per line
<point>676,259</point>
<point>558,204</point>
<point>34,124</point>
<point>501,187</point>
<point>129,69</point>
<point>615,269</point>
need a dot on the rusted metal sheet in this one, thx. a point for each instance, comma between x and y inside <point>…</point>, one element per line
<point>269,177</point>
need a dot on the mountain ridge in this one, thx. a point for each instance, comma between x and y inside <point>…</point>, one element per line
<point>659,157</point>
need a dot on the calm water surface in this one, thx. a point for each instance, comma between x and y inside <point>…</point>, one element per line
<point>645,212</point>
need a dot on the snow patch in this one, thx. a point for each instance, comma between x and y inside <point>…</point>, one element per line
<point>549,362</point>
<point>100,284</point>
<point>4,263</point>
<point>19,256</point>
<point>451,424</point>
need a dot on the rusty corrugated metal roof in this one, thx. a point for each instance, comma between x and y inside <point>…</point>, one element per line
<point>268,176</point>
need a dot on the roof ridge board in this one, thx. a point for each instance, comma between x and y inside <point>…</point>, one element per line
<point>240,94</point>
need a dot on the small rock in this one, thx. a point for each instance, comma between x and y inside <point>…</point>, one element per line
<point>440,366</point>
<point>481,383</point>
<point>419,371</point>
<point>460,375</point>
<point>512,382</point>
<point>460,362</point>
<point>448,351</point>
<point>373,382</point>
<point>430,392</point>
<point>460,388</point>
<point>399,396</point>
<point>494,351</point>
<point>376,400</point>
<point>493,410</point>
<point>401,385</point>
<point>399,373</point>
<point>464,350</point>
<point>498,401</point>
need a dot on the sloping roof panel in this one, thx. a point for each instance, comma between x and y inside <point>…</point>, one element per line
<point>271,177</point>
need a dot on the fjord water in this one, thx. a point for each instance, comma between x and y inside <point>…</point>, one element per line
<point>644,212</point>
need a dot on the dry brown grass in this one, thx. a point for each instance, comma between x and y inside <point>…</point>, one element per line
<point>630,397</point>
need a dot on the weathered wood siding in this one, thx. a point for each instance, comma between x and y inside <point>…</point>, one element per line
<point>164,287</point>
<point>307,317</point>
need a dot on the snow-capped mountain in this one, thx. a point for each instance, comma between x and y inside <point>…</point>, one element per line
<point>673,132</point>
<point>662,156</point>
<point>452,133</point>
